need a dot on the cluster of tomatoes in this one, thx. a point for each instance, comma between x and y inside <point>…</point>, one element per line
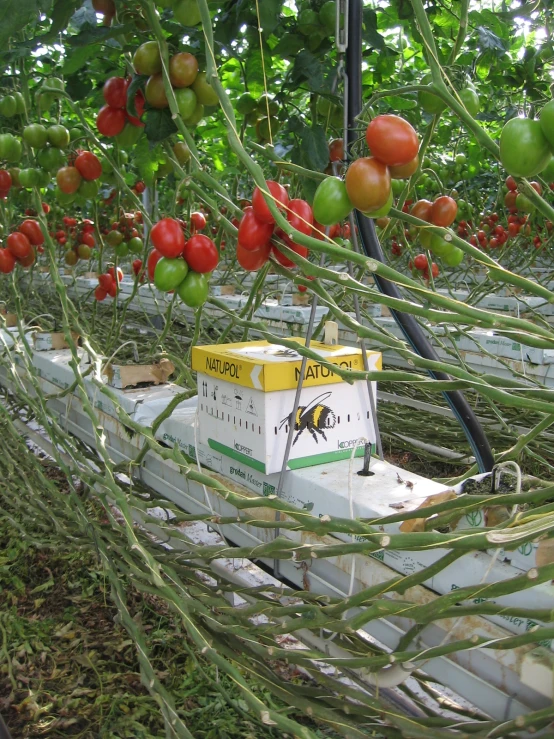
<point>82,237</point>
<point>113,117</point>
<point>257,234</point>
<point>124,235</point>
<point>527,145</point>
<point>442,212</point>
<point>180,264</point>
<point>190,86</point>
<point>421,264</point>
<point>80,175</point>
<point>394,146</point>
<point>108,284</point>
<point>20,246</point>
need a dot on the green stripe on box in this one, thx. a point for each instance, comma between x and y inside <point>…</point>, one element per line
<point>230,452</point>
<point>294,464</point>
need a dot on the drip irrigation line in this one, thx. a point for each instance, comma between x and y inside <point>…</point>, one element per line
<point>372,248</point>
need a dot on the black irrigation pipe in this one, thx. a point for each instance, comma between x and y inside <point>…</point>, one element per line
<point>372,248</point>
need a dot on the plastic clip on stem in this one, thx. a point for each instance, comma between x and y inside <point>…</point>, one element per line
<point>371,247</point>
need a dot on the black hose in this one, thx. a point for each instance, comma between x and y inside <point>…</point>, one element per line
<point>372,248</point>
<point>4,731</point>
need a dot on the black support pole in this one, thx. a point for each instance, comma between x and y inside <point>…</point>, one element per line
<point>372,248</point>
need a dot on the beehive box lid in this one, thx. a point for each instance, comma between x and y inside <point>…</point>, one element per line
<point>270,367</point>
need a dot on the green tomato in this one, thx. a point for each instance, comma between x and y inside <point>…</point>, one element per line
<point>8,106</point>
<point>75,133</point>
<point>29,177</point>
<point>88,189</point>
<point>383,210</point>
<point>170,273</point>
<point>147,59</point>
<point>121,251</point>
<point>129,136</point>
<point>547,122</point>
<point>106,166</point>
<point>21,108</point>
<point>453,257</point>
<point>524,204</point>
<point>439,246</point>
<point>425,237</point>
<point>331,202</point>
<point>43,178</point>
<point>51,159</point>
<point>266,128</point>
<point>524,150</point>
<point>182,152</point>
<point>204,91</point>
<point>460,159</point>
<point>114,238</point>
<point>397,186</point>
<point>193,290</point>
<point>58,136</point>
<point>196,117</point>
<point>470,99</point>
<point>164,169</point>
<point>308,22</point>
<point>186,101</point>
<point>264,103</point>
<point>135,245</point>
<point>35,135</point>
<point>328,16</point>
<point>427,100</point>
<point>548,171</point>
<point>187,12</point>
<point>246,104</point>
<point>10,148</point>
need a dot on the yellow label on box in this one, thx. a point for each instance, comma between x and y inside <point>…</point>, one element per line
<point>271,367</point>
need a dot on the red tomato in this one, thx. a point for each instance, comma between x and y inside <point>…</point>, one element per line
<point>28,260</point>
<point>392,140</point>
<point>100,293</point>
<point>140,187</point>
<point>7,261</point>
<point>253,233</point>
<point>19,245</point>
<point>420,262</point>
<point>252,259</point>
<point>139,106</point>
<point>137,266</point>
<point>261,209</point>
<point>283,259</point>
<point>510,199</point>
<point>300,216</point>
<point>168,238</point>
<point>422,210</point>
<point>105,281</point>
<point>511,184</point>
<point>88,239</point>
<point>444,211</point>
<point>336,151</point>
<point>115,92</point>
<point>197,221</point>
<point>151,263</point>
<point>45,208</point>
<point>536,186</point>
<point>88,165</point>
<point>404,171</point>
<point>32,231</point>
<point>201,254</point>
<point>368,183</point>
<point>110,121</point>
<point>112,292</point>
<point>68,179</point>
<point>5,179</point>
<point>111,272</point>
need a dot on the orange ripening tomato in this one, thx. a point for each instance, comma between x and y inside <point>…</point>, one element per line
<point>444,210</point>
<point>422,210</point>
<point>392,140</point>
<point>368,184</point>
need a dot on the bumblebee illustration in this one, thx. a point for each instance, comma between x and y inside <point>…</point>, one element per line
<point>316,417</point>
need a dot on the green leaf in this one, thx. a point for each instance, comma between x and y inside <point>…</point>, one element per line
<point>15,16</point>
<point>289,45</point>
<point>315,150</point>
<point>371,36</point>
<point>270,10</point>
<point>159,125</point>
<point>137,83</point>
<point>78,59</point>
<point>400,103</point>
<point>61,15</point>
<point>92,34</point>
